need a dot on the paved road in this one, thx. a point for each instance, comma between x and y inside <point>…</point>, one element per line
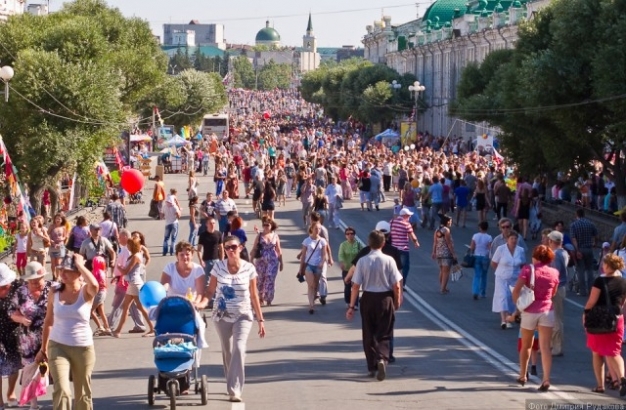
<point>451,351</point>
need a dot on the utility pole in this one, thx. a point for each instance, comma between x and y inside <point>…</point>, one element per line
<point>154,129</point>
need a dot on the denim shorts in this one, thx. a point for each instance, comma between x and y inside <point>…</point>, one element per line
<point>57,252</point>
<point>316,270</point>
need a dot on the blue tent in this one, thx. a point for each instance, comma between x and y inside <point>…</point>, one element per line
<point>387,134</point>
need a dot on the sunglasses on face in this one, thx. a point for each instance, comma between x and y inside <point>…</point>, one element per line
<point>350,233</point>
<point>231,248</point>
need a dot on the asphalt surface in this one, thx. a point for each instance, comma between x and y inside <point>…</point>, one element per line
<point>450,350</point>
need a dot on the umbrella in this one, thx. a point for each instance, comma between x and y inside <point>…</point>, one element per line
<point>176,141</point>
<point>387,134</point>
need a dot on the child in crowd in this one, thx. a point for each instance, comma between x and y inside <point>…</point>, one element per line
<point>97,309</point>
<point>19,249</point>
<point>397,207</point>
<point>534,352</point>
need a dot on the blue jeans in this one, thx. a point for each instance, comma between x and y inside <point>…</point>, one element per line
<point>171,232</point>
<point>406,265</point>
<point>586,273</point>
<point>193,234</point>
<point>223,221</point>
<point>208,267</point>
<point>481,266</point>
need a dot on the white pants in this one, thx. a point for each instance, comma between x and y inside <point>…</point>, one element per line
<point>234,338</point>
<point>323,286</point>
<point>333,215</point>
<point>288,187</point>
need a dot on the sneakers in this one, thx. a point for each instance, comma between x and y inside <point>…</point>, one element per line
<point>323,300</point>
<point>235,399</point>
<point>382,371</point>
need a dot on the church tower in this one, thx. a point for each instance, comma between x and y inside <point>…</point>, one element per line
<point>309,42</point>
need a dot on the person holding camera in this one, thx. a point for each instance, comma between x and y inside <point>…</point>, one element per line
<point>96,245</point>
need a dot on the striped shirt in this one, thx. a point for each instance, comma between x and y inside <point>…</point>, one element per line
<point>401,231</point>
<point>223,206</point>
<point>232,295</point>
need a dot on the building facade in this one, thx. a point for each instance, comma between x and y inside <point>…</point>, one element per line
<point>204,34</point>
<point>437,47</point>
<point>37,9</point>
<point>10,8</point>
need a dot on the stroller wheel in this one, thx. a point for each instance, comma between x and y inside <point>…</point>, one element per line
<point>204,390</point>
<point>172,387</point>
<point>151,389</point>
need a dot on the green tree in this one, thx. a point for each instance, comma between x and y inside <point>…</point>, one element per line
<point>559,98</point>
<point>185,98</point>
<point>180,61</point>
<point>272,76</point>
<point>79,75</point>
<point>244,75</point>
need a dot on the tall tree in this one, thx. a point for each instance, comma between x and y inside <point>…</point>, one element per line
<point>558,98</point>
<point>244,75</point>
<point>79,75</point>
<point>272,76</point>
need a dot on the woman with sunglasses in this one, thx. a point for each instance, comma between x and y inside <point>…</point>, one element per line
<point>313,255</point>
<point>268,260</point>
<point>347,252</point>
<point>236,298</point>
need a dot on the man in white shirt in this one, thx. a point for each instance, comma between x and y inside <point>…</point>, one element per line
<point>172,212</point>
<point>333,195</point>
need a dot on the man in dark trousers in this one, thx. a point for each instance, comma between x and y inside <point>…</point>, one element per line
<point>388,249</point>
<point>381,280</point>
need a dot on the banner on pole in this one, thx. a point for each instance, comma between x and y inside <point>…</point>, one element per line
<point>408,132</point>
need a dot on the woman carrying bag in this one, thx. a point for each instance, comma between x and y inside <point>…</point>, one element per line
<point>543,281</point>
<point>606,300</point>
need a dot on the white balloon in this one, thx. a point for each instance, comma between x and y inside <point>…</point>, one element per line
<point>406,147</point>
<point>412,146</point>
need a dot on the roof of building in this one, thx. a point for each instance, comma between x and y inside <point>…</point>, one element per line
<point>309,27</point>
<point>208,51</point>
<point>442,11</point>
<point>267,34</point>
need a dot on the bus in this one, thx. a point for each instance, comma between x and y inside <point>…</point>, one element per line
<point>215,124</point>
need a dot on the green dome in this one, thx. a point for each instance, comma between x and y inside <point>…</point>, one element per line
<point>268,34</point>
<point>442,11</point>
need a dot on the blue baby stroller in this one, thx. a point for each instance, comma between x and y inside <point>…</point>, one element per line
<point>175,351</point>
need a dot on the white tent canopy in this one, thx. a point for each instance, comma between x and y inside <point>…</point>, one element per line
<point>140,138</point>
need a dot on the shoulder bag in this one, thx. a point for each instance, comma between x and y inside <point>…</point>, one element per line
<point>300,274</point>
<point>527,293</point>
<point>469,259</point>
<point>601,319</point>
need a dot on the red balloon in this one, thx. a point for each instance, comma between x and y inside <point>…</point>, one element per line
<point>132,181</point>
<point>266,115</point>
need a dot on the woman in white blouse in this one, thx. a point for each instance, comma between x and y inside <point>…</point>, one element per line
<point>507,261</point>
<point>184,277</point>
<point>233,282</point>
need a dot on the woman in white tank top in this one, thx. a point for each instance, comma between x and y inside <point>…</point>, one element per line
<point>70,341</point>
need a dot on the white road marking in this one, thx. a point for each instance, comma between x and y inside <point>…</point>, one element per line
<point>498,361</point>
<point>238,406</point>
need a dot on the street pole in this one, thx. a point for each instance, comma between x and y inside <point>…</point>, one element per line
<point>416,88</point>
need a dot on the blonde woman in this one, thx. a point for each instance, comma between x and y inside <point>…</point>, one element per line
<point>38,241</point>
<point>132,274</point>
<point>192,185</point>
<point>313,255</point>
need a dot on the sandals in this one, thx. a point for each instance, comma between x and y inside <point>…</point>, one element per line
<point>545,386</point>
<point>521,381</point>
<point>598,390</point>
<point>149,334</point>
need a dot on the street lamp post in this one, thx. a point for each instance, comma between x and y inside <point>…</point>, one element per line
<point>6,74</point>
<point>415,89</point>
<point>395,86</point>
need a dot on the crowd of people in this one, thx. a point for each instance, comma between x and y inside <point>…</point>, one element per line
<point>295,153</point>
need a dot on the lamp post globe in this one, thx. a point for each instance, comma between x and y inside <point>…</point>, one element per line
<point>6,73</point>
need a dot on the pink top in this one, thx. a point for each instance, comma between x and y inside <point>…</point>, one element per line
<point>546,280</point>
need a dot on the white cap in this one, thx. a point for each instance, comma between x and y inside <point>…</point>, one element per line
<point>405,212</point>
<point>383,226</point>
<point>606,245</point>
<point>7,276</point>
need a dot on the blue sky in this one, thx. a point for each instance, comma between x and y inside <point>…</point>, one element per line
<point>243,18</point>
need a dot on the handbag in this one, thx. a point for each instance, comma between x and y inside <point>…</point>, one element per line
<point>469,259</point>
<point>601,319</point>
<point>527,293</point>
<point>300,274</point>
<point>456,273</point>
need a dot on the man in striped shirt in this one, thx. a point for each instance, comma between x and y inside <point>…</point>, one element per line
<point>401,233</point>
